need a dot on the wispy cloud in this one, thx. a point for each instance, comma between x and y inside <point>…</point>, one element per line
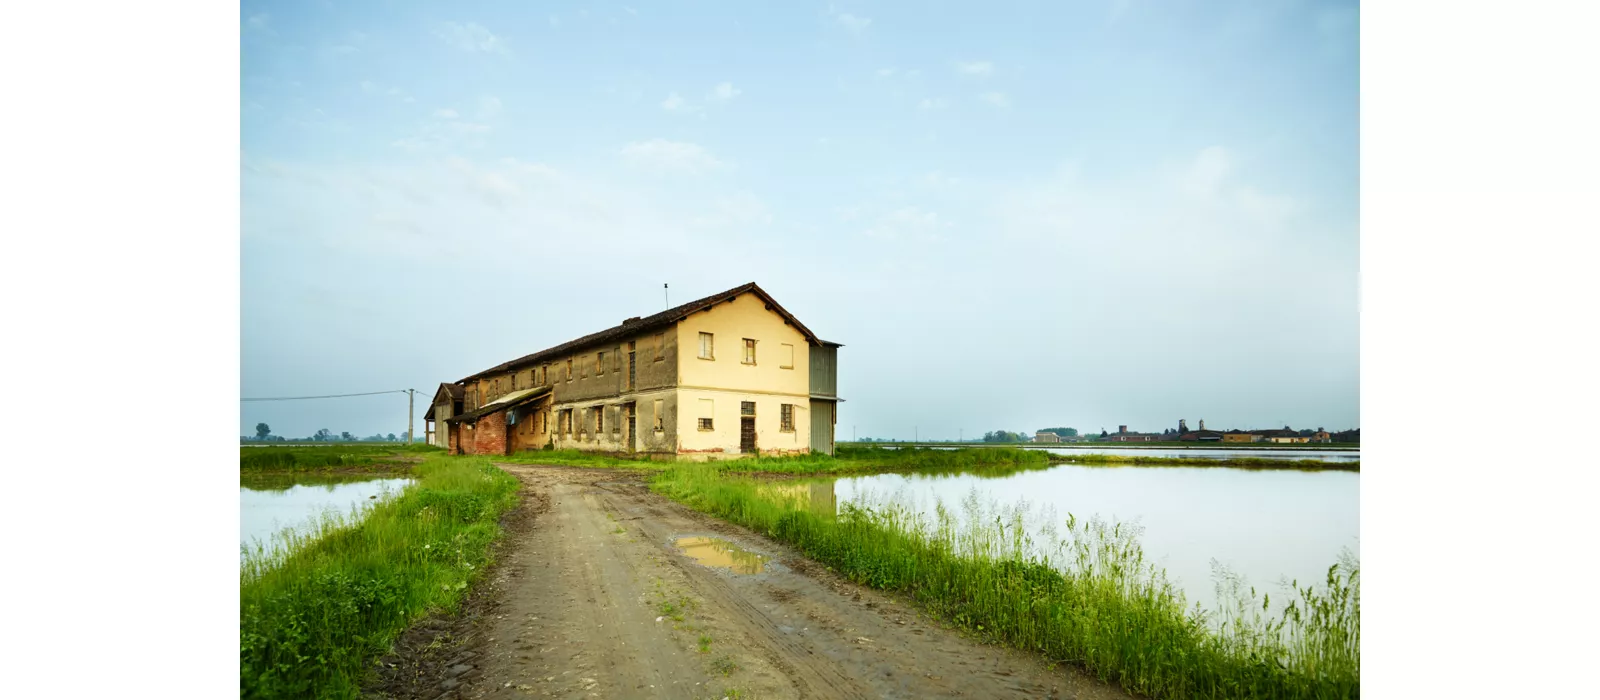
<point>489,107</point>
<point>981,69</point>
<point>670,156</point>
<point>260,22</point>
<point>855,24</point>
<point>445,113</point>
<point>997,99</point>
<point>675,103</point>
<point>887,72</point>
<point>472,37</point>
<point>933,103</point>
<point>724,92</point>
<point>908,224</point>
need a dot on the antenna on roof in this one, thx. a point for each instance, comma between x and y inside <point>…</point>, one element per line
<point>664,295</point>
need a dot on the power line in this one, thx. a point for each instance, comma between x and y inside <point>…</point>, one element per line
<point>329,396</point>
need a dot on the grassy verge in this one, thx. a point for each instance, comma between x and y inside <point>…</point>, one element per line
<point>1095,603</point>
<point>311,622</point>
<point>333,458</point>
<point>1236,462</point>
<point>847,460</point>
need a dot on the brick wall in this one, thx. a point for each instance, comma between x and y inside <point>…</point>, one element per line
<point>489,436</point>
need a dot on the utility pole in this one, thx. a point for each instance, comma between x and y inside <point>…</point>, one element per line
<point>916,434</point>
<point>411,411</point>
<point>665,296</point>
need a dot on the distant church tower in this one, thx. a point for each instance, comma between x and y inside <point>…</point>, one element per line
<point>1183,426</point>
<point>1202,424</point>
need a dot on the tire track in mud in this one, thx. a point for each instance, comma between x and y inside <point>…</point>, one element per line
<point>594,600</point>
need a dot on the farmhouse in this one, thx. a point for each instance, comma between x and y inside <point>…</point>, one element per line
<point>731,374</point>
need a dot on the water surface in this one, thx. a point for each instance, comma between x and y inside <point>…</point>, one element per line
<point>269,507</point>
<point>1261,524</point>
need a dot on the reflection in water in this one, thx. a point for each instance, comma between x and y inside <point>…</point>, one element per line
<point>1261,525</point>
<point>720,553</point>
<point>269,511</point>
<point>814,496</point>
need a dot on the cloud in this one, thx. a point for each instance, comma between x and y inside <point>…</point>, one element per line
<point>473,38</point>
<point>998,99</point>
<point>555,21</point>
<point>933,103</point>
<point>260,22</point>
<point>489,107</point>
<point>676,103</point>
<point>907,224</point>
<point>1207,172</point>
<point>445,113</point>
<point>981,69</point>
<point>855,24</point>
<point>674,156</point>
<point>724,92</point>
<point>370,87</point>
<point>887,72</point>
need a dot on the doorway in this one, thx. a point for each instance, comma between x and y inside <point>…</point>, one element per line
<point>747,427</point>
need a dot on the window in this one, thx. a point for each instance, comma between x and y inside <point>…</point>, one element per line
<point>786,356</point>
<point>599,363</point>
<point>616,425</point>
<point>707,410</point>
<point>599,419</point>
<point>749,351</point>
<point>569,370</point>
<point>661,417</point>
<point>786,423</point>
<point>496,390</point>
<point>747,408</point>
<point>705,347</point>
<point>566,422</point>
<point>661,348</point>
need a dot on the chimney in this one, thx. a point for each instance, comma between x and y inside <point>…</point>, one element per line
<point>630,321</point>
<point>1122,428</point>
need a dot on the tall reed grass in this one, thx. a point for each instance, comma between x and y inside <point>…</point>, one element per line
<point>311,458</point>
<point>311,620</point>
<point>1085,596</point>
<point>846,460</point>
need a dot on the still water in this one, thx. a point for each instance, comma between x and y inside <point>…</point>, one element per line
<point>1263,525</point>
<point>267,509</point>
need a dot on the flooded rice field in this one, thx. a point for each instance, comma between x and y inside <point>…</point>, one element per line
<point>268,507</point>
<point>1264,526</point>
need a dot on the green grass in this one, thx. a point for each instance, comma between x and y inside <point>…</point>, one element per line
<point>312,621</point>
<point>705,644</point>
<point>1236,462</point>
<point>847,460</point>
<point>377,457</point>
<point>1093,601</point>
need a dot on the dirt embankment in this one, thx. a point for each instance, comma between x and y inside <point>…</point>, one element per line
<point>591,598</point>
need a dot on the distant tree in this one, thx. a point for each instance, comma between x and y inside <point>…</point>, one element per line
<point>323,435</point>
<point>392,438</point>
<point>1063,432</point>
<point>346,436</point>
<point>262,431</point>
<point>1103,433</point>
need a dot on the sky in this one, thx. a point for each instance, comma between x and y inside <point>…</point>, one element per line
<point>1014,215</point>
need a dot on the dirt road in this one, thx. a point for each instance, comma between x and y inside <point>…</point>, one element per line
<point>593,599</point>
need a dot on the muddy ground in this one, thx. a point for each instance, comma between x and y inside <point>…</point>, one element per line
<point>591,599</point>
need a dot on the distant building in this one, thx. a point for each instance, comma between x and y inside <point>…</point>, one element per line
<point>1046,436</point>
<point>1348,436</point>
<point>1240,436</point>
<point>1285,436</point>
<point>1202,436</point>
<point>1123,435</point>
<point>1321,436</point>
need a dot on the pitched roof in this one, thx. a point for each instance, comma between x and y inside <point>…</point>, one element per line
<point>512,399</point>
<point>665,318</point>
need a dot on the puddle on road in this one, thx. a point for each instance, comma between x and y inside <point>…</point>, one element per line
<point>718,552</point>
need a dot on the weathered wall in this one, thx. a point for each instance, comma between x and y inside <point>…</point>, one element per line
<point>823,419</point>
<point>613,436</point>
<point>531,431</point>
<point>722,441</point>
<point>441,411</point>
<point>489,434</point>
<point>730,323</point>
